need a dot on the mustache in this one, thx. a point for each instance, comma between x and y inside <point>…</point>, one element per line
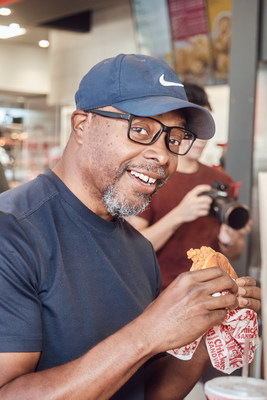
<point>151,168</point>
<point>119,206</point>
<point>146,168</point>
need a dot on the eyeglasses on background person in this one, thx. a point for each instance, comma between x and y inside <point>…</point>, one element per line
<point>146,130</point>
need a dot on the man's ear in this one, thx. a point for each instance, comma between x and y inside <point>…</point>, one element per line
<point>78,119</point>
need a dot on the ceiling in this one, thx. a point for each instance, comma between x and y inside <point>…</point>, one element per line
<point>38,16</point>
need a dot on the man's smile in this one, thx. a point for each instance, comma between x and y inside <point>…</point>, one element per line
<point>143,177</point>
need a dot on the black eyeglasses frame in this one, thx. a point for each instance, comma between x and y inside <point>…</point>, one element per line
<point>164,128</point>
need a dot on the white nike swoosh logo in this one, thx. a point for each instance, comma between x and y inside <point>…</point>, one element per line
<point>167,83</point>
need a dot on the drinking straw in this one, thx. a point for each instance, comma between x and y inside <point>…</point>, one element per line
<point>245,358</point>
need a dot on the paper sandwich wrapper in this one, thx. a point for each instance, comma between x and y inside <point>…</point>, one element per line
<point>226,342</point>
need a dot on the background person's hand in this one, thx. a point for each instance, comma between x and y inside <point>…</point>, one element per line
<point>228,236</point>
<point>193,205</point>
<point>247,228</point>
<point>232,241</point>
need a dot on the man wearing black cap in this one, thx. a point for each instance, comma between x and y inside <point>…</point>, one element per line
<point>80,310</point>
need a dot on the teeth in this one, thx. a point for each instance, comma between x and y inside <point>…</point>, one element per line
<point>152,180</point>
<point>143,177</point>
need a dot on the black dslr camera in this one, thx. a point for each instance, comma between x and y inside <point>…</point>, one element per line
<point>226,208</point>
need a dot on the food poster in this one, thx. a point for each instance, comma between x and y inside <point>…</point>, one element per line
<point>190,37</point>
<point>220,20</point>
<point>201,33</point>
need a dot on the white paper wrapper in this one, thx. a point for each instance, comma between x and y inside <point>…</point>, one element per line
<point>226,342</point>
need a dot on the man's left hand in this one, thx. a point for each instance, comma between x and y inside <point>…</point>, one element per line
<point>248,295</point>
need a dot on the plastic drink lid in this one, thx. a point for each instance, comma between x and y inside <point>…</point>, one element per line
<point>236,388</point>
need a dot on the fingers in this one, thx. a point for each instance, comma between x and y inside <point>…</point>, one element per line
<point>204,285</point>
<point>247,228</point>
<point>195,196</point>
<point>249,295</point>
<point>218,280</point>
<point>193,205</point>
<point>246,281</point>
<point>197,190</point>
<point>253,304</point>
<point>253,292</point>
<point>226,230</point>
<point>226,301</point>
<point>223,293</point>
<point>228,234</point>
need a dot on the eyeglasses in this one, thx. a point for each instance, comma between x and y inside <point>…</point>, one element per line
<point>146,130</point>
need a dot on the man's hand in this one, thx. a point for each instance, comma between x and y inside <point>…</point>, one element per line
<point>248,295</point>
<point>186,309</point>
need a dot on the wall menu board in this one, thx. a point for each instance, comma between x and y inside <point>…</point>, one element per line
<point>201,34</point>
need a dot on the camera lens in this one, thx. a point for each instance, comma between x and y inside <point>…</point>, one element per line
<point>238,217</point>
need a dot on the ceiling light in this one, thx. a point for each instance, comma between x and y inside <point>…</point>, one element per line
<point>5,11</point>
<point>43,43</point>
<point>11,31</point>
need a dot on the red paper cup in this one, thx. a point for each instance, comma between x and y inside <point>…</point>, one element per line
<point>236,388</point>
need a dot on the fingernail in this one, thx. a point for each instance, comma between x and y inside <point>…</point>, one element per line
<point>242,291</point>
<point>241,282</point>
<point>244,302</point>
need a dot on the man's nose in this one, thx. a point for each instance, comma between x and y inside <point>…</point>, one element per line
<point>158,151</point>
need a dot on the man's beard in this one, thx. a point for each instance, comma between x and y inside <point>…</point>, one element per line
<point>118,205</point>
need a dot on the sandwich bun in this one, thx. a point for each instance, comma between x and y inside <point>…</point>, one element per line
<point>206,257</point>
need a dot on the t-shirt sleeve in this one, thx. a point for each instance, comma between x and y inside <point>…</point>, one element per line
<point>20,311</point>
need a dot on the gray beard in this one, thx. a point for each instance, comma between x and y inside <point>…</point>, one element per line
<point>122,208</point>
<point>118,205</point>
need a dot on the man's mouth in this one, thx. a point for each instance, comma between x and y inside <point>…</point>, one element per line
<point>145,178</point>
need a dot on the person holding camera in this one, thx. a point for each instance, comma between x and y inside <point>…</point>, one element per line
<point>178,217</point>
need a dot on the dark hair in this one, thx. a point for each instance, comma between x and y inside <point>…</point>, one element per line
<point>196,94</point>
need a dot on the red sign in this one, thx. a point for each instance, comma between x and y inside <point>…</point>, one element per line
<point>188,18</point>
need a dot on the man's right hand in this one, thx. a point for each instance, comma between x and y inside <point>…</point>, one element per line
<point>186,309</point>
